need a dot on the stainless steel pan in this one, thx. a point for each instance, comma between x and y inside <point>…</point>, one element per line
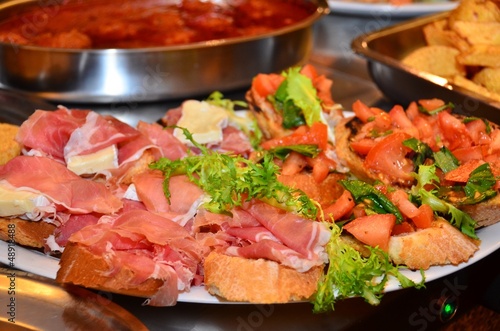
<point>125,75</point>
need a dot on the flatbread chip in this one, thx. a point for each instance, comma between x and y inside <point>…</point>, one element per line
<point>436,59</point>
<point>474,87</point>
<point>478,32</point>
<point>9,148</point>
<point>436,33</point>
<point>489,78</point>
<point>480,55</point>
<point>475,11</point>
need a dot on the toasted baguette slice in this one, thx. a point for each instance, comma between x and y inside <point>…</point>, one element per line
<point>81,267</point>
<point>438,245</point>
<point>26,233</point>
<point>257,281</point>
<point>485,213</point>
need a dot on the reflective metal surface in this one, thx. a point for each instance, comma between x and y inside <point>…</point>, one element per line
<point>122,75</point>
<point>31,302</point>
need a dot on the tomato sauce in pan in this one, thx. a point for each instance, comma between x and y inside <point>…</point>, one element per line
<point>148,23</point>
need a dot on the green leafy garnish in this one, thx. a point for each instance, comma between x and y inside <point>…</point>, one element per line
<point>445,160</point>
<point>479,187</point>
<point>373,198</point>
<point>229,180</point>
<point>459,219</point>
<point>421,149</point>
<point>307,150</point>
<point>297,100</point>
<point>350,274</point>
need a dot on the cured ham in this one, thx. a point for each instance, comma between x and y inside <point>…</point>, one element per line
<point>151,246</point>
<point>169,146</point>
<point>96,133</point>
<point>304,236</point>
<point>49,131</point>
<point>63,187</point>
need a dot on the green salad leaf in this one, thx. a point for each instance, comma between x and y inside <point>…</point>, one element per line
<point>297,100</point>
<point>229,180</point>
<point>350,274</point>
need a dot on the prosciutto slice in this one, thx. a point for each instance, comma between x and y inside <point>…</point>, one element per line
<point>49,131</point>
<point>151,245</point>
<point>274,251</point>
<point>169,146</point>
<point>96,133</point>
<point>52,179</point>
<point>302,235</point>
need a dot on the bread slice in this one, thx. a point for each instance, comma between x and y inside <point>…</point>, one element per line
<point>439,244</point>
<point>485,213</point>
<point>79,266</point>
<point>26,233</point>
<point>257,281</point>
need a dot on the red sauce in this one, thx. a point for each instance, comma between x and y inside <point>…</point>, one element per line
<point>147,23</point>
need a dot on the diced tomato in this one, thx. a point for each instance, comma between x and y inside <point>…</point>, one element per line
<point>266,84</point>
<point>309,70</point>
<point>358,211</point>
<point>317,134</point>
<point>462,173</point>
<point>374,230</point>
<point>477,131</point>
<point>412,110</point>
<point>388,157</point>
<point>321,166</point>
<point>363,146</point>
<point>426,130</point>
<point>401,200</point>
<point>400,120</point>
<point>470,153</point>
<point>454,131</point>
<point>293,164</point>
<point>401,228</point>
<point>340,208</point>
<point>431,104</point>
<point>424,217</point>
<point>363,112</point>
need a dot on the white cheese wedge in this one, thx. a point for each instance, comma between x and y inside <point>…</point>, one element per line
<point>203,120</point>
<point>14,203</point>
<point>106,158</point>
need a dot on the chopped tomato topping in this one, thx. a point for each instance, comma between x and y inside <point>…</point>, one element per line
<point>321,166</point>
<point>401,121</point>
<point>266,84</point>
<point>340,208</point>
<point>401,228</point>
<point>470,153</point>
<point>374,230</point>
<point>412,110</point>
<point>477,131</point>
<point>431,104</point>
<point>317,134</point>
<point>454,131</point>
<point>363,145</point>
<point>462,173</point>
<point>365,113</point>
<point>388,157</point>
<point>293,164</point>
<point>401,200</point>
<point>424,217</point>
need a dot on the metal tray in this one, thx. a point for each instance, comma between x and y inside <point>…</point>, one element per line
<point>32,302</point>
<point>384,50</point>
<point>150,74</point>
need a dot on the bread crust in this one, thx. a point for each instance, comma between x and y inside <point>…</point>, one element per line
<point>25,233</point>
<point>79,266</point>
<point>257,281</point>
<point>439,244</point>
